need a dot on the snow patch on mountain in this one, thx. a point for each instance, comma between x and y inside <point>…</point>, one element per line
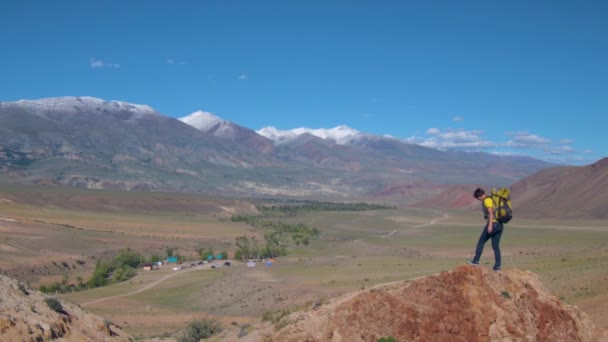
<point>210,123</point>
<point>75,104</point>
<point>341,135</point>
<point>202,120</point>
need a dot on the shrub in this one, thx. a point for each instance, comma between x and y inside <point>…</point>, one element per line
<point>54,305</point>
<point>170,251</point>
<point>126,257</point>
<point>244,330</point>
<point>23,289</point>
<point>387,339</point>
<point>199,329</point>
<point>100,275</point>
<point>275,316</point>
<point>123,273</point>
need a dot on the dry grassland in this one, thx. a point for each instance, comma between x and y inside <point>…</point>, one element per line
<point>356,250</point>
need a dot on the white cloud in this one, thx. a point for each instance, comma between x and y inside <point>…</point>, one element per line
<point>456,139</point>
<point>243,77</point>
<point>98,63</point>
<point>457,119</point>
<point>520,143</point>
<point>462,136</point>
<point>526,140</point>
<point>172,61</point>
<point>559,150</point>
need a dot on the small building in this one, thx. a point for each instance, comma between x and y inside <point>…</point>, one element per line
<point>147,267</point>
<point>172,259</point>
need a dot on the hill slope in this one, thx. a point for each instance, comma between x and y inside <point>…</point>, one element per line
<point>574,192</point>
<point>466,304</point>
<point>25,316</point>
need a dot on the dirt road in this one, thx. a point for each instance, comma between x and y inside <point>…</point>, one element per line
<point>148,286</point>
<point>430,223</point>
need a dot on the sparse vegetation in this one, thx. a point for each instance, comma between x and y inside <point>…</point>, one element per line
<point>278,235</point>
<point>63,286</point>
<point>199,329</point>
<point>244,330</point>
<point>312,206</point>
<point>275,316</point>
<point>506,294</point>
<point>387,339</point>
<point>335,257</point>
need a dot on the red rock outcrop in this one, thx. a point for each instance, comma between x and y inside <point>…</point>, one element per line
<point>466,304</point>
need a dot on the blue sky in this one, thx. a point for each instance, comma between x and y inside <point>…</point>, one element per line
<point>523,77</point>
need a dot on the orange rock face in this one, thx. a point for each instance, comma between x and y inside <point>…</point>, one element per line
<point>467,304</point>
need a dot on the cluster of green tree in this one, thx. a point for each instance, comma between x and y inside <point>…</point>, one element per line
<point>277,236</point>
<point>208,253</point>
<point>122,267</point>
<point>278,226</point>
<point>311,206</point>
<point>251,248</point>
<point>203,253</point>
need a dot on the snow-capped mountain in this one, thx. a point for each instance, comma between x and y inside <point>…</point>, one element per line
<point>80,104</point>
<point>85,141</point>
<point>341,135</point>
<point>207,122</point>
<point>110,144</point>
<point>212,124</point>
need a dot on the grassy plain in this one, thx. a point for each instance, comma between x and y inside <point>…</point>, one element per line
<point>355,250</point>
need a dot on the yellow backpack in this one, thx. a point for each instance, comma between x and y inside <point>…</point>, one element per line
<point>502,204</point>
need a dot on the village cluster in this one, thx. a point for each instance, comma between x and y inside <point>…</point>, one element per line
<point>214,262</point>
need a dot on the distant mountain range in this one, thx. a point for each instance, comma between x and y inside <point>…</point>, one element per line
<point>89,142</point>
<point>560,192</point>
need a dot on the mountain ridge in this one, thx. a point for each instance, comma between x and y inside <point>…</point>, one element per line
<point>89,142</point>
<point>565,192</point>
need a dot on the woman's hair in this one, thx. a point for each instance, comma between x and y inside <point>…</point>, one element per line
<point>478,192</point>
